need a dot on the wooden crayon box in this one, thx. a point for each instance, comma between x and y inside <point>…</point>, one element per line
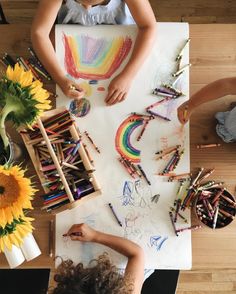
<point>48,149</point>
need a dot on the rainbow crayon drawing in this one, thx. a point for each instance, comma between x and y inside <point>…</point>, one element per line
<point>94,58</point>
<point>123,135</point>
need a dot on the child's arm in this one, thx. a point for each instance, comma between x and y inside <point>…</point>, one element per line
<point>41,27</point>
<point>134,253</point>
<point>145,20</point>
<point>212,91</point>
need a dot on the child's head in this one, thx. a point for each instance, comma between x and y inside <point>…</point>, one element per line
<point>99,277</point>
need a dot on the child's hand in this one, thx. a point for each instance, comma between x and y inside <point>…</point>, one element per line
<point>184,112</point>
<point>118,89</point>
<point>82,232</point>
<point>71,89</point>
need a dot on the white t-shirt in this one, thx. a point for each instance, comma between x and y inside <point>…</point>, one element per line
<point>114,12</point>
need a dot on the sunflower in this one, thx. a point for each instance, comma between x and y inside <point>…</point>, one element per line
<point>16,193</point>
<point>14,233</point>
<point>22,99</point>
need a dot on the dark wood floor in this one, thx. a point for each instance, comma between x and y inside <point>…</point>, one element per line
<point>206,281</point>
<point>192,11</point>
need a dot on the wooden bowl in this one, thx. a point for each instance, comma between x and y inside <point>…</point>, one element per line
<point>206,204</point>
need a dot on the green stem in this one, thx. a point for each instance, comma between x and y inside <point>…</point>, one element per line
<point>4,113</point>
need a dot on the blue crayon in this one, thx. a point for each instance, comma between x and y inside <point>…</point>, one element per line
<point>93,82</point>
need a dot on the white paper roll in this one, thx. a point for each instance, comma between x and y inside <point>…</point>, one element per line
<point>14,257</point>
<point>30,248</point>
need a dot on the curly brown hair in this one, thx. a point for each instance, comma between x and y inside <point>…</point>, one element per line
<point>100,277</point>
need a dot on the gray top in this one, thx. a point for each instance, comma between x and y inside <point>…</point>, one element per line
<point>114,12</point>
<point>226,127</point>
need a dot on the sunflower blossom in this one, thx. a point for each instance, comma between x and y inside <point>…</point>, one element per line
<point>22,99</point>
<point>16,193</point>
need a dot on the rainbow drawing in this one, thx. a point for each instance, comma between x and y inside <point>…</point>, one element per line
<point>94,59</point>
<point>122,140</point>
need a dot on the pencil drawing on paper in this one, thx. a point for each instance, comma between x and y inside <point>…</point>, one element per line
<point>92,58</point>
<point>157,241</point>
<point>136,194</point>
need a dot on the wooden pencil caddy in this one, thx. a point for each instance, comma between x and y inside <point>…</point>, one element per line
<point>82,153</point>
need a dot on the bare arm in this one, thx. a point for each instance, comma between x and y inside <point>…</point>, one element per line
<point>212,91</point>
<point>41,28</point>
<point>145,20</point>
<point>134,253</point>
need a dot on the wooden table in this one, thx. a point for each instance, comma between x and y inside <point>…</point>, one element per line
<point>213,56</point>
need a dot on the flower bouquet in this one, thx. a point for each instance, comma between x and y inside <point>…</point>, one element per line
<point>16,193</point>
<point>22,101</point>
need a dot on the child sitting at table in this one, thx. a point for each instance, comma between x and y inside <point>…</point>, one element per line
<point>93,12</point>
<point>226,126</point>
<point>101,276</point>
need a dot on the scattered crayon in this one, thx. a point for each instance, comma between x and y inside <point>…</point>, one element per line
<point>115,215</point>
<point>201,146</point>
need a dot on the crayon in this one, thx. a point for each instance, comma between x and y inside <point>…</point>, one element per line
<point>215,217</point>
<point>78,234</point>
<point>173,223</point>
<point>178,204</point>
<point>130,172</point>
<point>192,228</point>
<point>180,71</point>
<point>144,175</point>
<point>197,177</point>
<point>115,215</point>
<point>143,130</point>
<point>91,141</point>
<point>143,115</point>
<point>201,146</point>
<point>157,103</point>
<point>179,56</point>
<point>158,115</point>
<point>168,149</point>
<point>180,215</point>
<point>225,213</point>
<point>206,175</point>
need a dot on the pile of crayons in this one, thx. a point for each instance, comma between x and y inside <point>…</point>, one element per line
<point>67,151</point>
<point>174,160</point>
<point>32,63</point>
<point>169,91</point>
<point>215,207</point>
<point>134,170</point>
<point>175,212</point>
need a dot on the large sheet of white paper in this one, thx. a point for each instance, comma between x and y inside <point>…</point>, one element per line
<point>144,221</point>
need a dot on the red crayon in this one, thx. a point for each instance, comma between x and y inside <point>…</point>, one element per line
<point>192,228</point>
<point>143,129</point>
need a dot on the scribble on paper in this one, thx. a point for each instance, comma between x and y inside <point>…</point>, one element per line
<point>157,242</point>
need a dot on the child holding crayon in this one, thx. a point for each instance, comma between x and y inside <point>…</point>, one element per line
<point>93,12</point>
<point>101,276</point>
<point>226,126</point>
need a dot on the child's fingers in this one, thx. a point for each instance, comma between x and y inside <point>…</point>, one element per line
<point>76,238</point>
<point>112,98</point>
<point>74,229</point>
<point>110,95</point>
<point>116,98</point>
<point>75,94</point>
